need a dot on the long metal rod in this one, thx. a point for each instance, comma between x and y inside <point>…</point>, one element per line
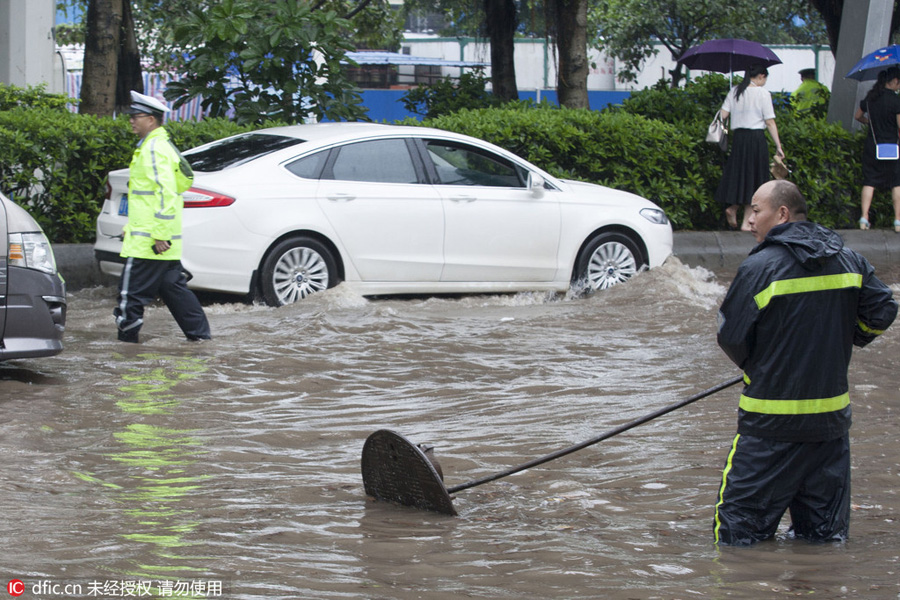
<point>600,438</point>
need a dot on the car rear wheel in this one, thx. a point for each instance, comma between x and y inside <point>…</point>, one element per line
<point>608,259</point>
<point>296,268</point>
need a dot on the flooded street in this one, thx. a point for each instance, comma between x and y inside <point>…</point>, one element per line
<point>231,468</point>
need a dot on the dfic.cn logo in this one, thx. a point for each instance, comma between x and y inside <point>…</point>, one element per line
<point>15,587</point>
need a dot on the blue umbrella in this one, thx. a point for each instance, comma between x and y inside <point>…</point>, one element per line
<point>870,65</point>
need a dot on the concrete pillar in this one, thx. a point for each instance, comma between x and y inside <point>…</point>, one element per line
<point>865,27</point>
<point>27,49</point>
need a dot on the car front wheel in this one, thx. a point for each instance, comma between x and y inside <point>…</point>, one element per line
<point>608,259</point>
<point>296,268</point>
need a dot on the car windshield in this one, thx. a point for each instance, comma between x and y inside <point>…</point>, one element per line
<point>236,151</point>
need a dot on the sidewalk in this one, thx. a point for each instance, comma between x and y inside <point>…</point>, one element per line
<point>713,250</point>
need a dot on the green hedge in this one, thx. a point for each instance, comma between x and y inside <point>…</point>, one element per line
<point>653,159</point>
<point>55,163</point>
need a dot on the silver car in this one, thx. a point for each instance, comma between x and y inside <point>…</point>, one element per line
<point>32,292</point>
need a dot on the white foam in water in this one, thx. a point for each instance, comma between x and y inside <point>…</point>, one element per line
<point>672,281</point>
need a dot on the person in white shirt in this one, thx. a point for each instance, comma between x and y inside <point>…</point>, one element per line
<point>749,106</point>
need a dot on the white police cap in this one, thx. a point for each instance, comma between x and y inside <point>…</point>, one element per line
<point>141,104</point>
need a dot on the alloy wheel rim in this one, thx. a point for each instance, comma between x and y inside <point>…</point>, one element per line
<point>611,263</point>
<point>299,273</point>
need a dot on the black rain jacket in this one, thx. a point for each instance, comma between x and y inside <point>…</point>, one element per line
<point>796,307</point>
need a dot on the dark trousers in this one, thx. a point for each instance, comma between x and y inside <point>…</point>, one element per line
<point>763,478</point>
<point>142,282</point>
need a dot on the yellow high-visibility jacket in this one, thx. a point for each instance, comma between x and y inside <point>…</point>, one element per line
<point>158,175</point>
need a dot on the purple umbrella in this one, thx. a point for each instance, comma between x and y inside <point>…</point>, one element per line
<point>727,56</point>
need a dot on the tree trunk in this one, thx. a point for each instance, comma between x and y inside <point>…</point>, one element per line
<point>128,60</point>
<point>831,11</point>
<point>502,20</point>
<point>101,50</point>
<point>571,43</point>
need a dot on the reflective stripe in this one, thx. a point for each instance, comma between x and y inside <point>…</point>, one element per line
<point>141,193</point>
<point>866,329</point>
<point>795,407</point>
<point>162,198</point>
<point>807,284</point>
<point>123,297</point>
<point>164,217</point>
<point>722,488</point>
<point>145,234</point>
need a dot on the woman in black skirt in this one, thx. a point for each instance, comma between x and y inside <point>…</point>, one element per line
<point>749,105</point>
<point>879,111</point>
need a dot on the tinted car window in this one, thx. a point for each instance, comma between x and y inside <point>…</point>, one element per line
<point>237,151</point>
<point>458,164</point>
<point>309,167</point>
<point>382,161</point>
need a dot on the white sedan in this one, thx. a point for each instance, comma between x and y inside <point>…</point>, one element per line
<point>288,211</point>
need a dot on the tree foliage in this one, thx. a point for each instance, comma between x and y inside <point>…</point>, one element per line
<point>374,24</point>
<point>627,29</point>
<point>281,60</point>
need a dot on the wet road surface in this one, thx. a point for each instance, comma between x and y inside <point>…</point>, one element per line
<point>231,468</point>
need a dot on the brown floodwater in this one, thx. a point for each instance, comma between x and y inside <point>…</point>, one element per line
<point>231,468</point>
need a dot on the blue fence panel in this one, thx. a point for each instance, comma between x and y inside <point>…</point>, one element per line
<point>385,105</point>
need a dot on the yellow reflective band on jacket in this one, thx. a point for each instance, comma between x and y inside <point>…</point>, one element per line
<point>866,329</point>
<point>795,407</point>
<point>807,284</point>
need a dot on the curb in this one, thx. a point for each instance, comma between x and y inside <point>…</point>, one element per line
<point>725,250</point>
<point>713,250</point>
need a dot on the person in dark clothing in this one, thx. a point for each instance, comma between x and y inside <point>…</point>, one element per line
<point>879,111</point>
<point>797,306</point>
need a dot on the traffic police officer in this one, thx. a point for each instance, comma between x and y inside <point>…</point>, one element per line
<point>158,175</point>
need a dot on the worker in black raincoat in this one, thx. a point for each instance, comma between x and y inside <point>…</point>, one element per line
<point>797,306</point>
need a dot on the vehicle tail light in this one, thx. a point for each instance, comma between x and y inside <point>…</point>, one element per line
<point>197,198</point>
<point>108,190</point>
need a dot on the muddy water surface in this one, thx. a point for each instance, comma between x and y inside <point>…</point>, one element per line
<point>231,468</point>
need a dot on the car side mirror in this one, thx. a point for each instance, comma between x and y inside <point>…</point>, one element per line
<point>536,184</point>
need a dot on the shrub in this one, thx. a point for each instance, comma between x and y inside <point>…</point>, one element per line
<point>614,148</point>
<point>448,96</point>
<point>12,96</point>
<point>54,163</point>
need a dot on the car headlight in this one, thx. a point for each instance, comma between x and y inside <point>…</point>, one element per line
<point>655,215</point>
<point>32,251</point>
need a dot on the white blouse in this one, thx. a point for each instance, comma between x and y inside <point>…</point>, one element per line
<point>751,110</point>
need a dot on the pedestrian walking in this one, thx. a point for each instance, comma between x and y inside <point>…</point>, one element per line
<point>749,106</point>
<point>797,306</point>
<point>158,175</point>
<point>879,111</point>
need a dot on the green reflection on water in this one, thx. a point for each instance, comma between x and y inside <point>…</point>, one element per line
<point>159,463</point>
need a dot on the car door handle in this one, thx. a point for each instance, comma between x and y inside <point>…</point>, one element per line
<point>463,198</point>
<point>341,197</point>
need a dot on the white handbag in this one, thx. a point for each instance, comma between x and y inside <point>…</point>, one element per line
<point>718,133</point>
